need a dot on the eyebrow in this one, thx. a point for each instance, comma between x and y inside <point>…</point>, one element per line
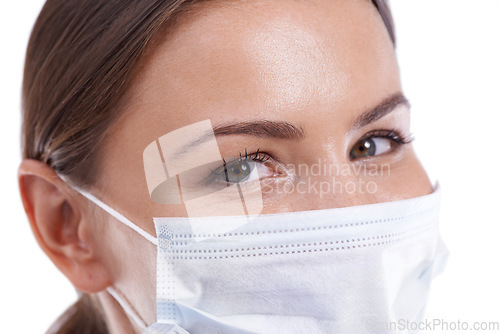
<point>384,108</point>
<point>285,130</point>
<point>260,129</point>
<point>288,131</point>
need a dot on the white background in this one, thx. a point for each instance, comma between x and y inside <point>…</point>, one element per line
<point>449,57</point>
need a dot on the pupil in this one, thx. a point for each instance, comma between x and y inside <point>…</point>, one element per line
<point>365,148</point>
<point>238,173</point>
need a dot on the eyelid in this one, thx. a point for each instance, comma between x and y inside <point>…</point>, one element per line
<point>396,137</point>
<point>393,134</point>
<point>255,157</point>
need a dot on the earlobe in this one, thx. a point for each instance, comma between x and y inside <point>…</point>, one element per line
<point>60,222</point>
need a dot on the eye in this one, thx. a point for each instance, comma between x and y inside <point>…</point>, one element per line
<point>377,143</point>
<point>243,169</point>
<point>237,171</point>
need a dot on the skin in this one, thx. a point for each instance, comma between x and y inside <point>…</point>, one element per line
<point>315,64</point>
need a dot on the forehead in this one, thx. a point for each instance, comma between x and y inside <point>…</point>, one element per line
<point>263,58</point>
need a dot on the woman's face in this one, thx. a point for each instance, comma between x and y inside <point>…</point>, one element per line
<point>313,86</point>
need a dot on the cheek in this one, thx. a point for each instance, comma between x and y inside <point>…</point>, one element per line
<point>402,180</point>
<point>131,260</point>
<point>141,280</point>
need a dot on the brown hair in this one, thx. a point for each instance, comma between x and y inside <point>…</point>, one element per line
<point>80,59</point>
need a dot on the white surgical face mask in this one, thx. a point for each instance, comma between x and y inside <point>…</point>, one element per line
<point>341,270</point>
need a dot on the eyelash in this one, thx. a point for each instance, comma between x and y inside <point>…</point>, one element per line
<point>262,157</point>
<point>392,134</point>
<point>257,156</point>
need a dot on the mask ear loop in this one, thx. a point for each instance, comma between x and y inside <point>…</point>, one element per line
<point>112,291</point>
<point>127,308</point>
<point>112,212</point>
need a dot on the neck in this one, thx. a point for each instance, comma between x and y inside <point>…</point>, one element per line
<point>116,318</point>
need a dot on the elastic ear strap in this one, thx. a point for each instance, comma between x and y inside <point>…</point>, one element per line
<point>119,216</point>
<point>127,308</point>
<point>113,213</point>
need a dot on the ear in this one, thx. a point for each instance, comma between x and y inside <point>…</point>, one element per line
<point>62,226</point>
